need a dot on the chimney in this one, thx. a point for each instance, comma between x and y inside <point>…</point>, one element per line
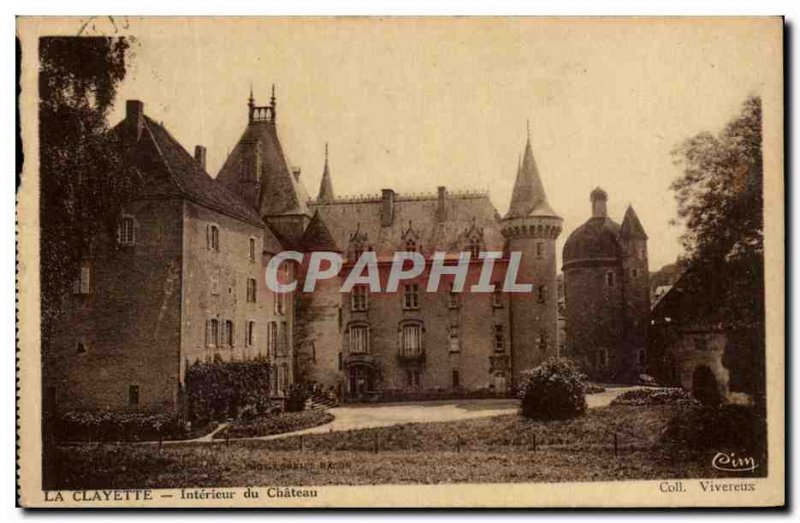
<point>387,207</point>
<point>134,117</point>
<point>200,156</point>
<point>599,198</point>
<point>441,209</point>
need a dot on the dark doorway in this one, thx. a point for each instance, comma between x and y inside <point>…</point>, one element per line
<point>705,387</point>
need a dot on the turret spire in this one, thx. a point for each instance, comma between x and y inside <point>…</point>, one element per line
<point>326,185</point>
<point>631,226</point>
<point>528,196</point>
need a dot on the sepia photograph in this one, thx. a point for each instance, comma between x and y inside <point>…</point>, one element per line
<point>408,262</point>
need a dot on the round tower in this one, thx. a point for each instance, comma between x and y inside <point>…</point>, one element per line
<point>531,227</point>
<point>606,288</point>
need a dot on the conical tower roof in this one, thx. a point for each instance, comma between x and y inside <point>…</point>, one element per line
<point>631,226</point>
<point>326,185</point>
<point>317,236</point>
<point>528,198</point>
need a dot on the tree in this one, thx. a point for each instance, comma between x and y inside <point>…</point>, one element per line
<point>720,202</point>
<point>83,178</point>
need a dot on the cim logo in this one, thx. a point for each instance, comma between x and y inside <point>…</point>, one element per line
<point>732,463</point>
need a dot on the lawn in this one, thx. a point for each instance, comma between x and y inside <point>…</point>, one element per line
<point>497,449</point>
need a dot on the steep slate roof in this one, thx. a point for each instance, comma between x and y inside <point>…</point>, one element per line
<point>465,214</point>
<point>185,177</point>
<point>281,192</point>
<point>631,226</point>
<point>528,197</point>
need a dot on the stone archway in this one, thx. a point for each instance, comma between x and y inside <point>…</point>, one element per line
<point>705,387</point>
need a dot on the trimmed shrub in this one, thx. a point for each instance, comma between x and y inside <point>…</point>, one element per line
<point>553,390</point>
<point>663,396</point>
<point>226,389</point>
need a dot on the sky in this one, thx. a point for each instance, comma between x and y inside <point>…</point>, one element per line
<point>411,104</point>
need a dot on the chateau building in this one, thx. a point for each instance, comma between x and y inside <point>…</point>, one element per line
<point>183,281</point>
<point>607,293</point>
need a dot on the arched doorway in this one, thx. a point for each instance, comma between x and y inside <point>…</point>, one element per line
<point>705,387</point>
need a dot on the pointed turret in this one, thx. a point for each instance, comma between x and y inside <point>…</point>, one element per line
<point>326,185</point>
<point>631,226</point>
<point>528,198</point>
<point>317,236</point>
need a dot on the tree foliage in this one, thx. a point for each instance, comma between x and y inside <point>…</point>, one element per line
<point>720,203</point>
<point>82,171</point>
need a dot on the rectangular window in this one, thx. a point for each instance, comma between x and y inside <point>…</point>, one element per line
<point>456,379</point>
<point>411,296</point>
<point>228,333</point>
<point>499,341</point>
<point>452,299</point>
<point>454,344</point>
<point>412,377</point>
<point>215,283</point>
<point>252,251</point>
<point>539,249</point>
<point>82,283</point>
<point>359,298</point>
<point>212,237</point>
<point>212,333</point>
<point>284,343</point>
<point>634,273</point>
<point>497,296</point>
<point>126,232</point>
<point>272,339</point>
<point>250,333</point>
<point>610,279</point>
<point>411,343</point>
<point>279,305</point>
<point>133,395</point>
<point>542,293</point>
<point>251,290</point>
<point>359,339</point>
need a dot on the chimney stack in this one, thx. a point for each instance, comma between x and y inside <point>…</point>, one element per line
<point>134,117</point>
<point>387,207</point>
<point>200,156</point>
<point>441,209</point>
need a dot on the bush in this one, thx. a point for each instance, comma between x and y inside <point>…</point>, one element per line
<point>664,396</point>
<point>282,424</point>
<point>226,389</point>
<point>553,390</point>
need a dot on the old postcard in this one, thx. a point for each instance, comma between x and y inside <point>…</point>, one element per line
<point>401,262</point>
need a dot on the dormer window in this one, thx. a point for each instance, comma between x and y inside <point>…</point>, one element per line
<point>474,249</point>
<point>411,245</point>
